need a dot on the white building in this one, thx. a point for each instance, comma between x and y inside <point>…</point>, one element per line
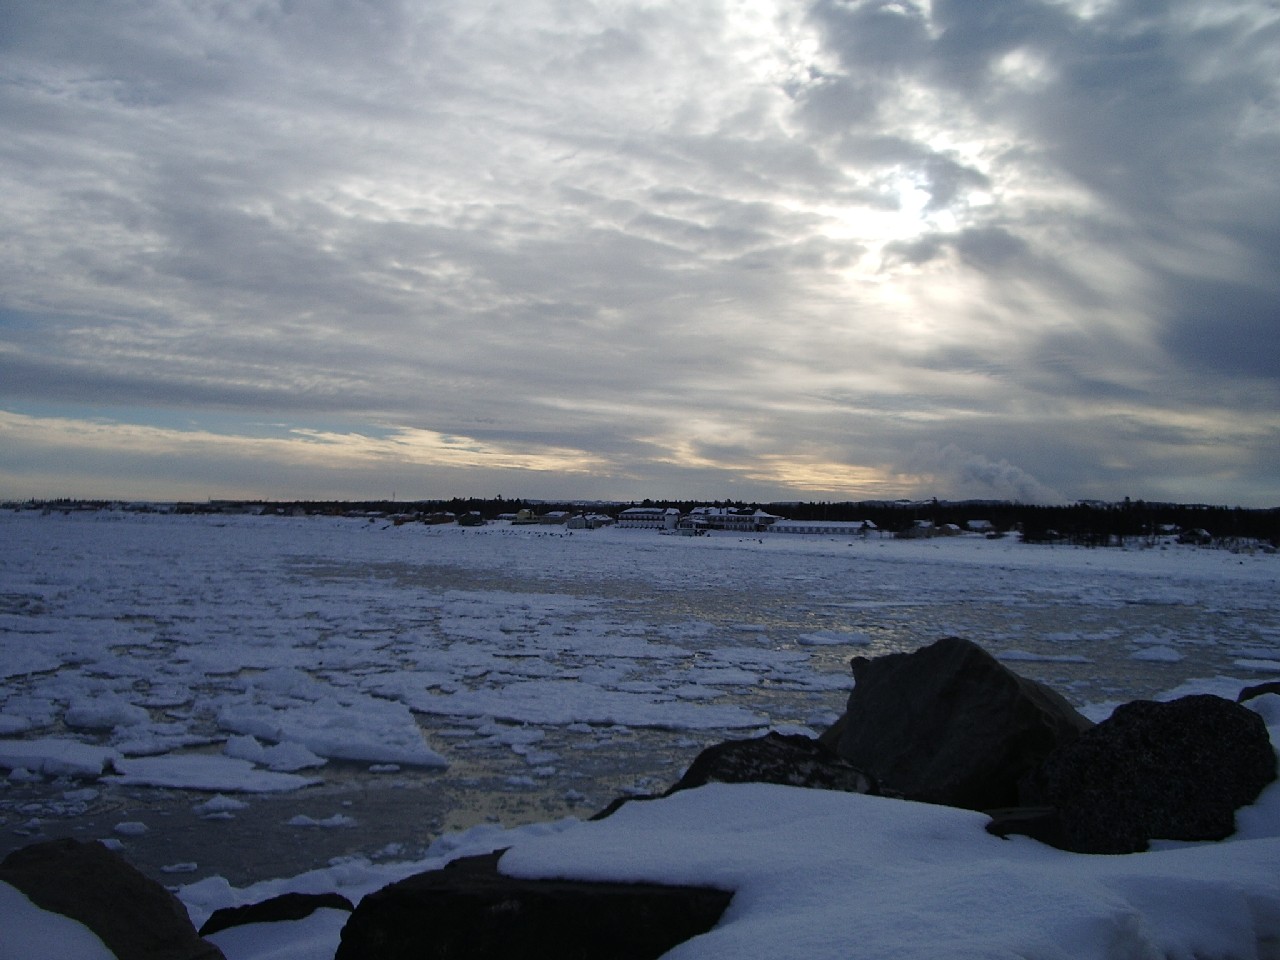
<point>829,528</point>
<point>733,518</point>
<point>648,518</point>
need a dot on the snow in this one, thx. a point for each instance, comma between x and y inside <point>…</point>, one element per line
<point>29,933</point>
<point>1160,653</point>
<point>313,937</point>
<point>221,656</point>
<point>219,805</point>
<point>836,638</point>
<point>286,756</point>
<point>562,702</point>
<point>56,756</point>
<point>337,820</point>
<point>203,772</point>
<point>816,872</point>
<point>104,713</point>
<point>808,883</point>
<point>358,728</point>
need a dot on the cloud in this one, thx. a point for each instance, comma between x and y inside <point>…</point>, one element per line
<point>974,476</point>
<point>769,246</point>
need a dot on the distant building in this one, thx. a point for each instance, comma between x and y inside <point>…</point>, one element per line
<point>919,530</point>
<point>589,521</point>
<point>740,519</point>
<point>648,518</point>
<point>829,528</point>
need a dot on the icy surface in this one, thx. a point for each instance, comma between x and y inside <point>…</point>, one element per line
<point>218,678</point>
<point>818,874</point>
<point>200,772</point>
<point>29,933</point>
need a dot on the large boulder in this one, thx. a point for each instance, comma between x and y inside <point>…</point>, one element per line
<point>135,917</point>
<point>792,760</point>
<point>279,909</point>
<point>470,910</point>
<point>950,724</point>
<point>1173,771</point>
<point>1258,690</point>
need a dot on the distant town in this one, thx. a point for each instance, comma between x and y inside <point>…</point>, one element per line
<point>1085,523</point>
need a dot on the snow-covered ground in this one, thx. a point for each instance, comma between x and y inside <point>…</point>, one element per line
<point>233,699</point>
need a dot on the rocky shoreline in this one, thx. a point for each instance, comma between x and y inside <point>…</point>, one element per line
<point>946,725</point>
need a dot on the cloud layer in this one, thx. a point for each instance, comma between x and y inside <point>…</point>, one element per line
<point>764,250</point>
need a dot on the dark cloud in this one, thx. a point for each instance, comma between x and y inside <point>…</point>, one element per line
<point>1029,236</point>
<point>1223,328</point>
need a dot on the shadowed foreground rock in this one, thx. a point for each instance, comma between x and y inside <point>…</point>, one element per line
<point>469,910</point>
<point>950,724</point>
<point>1170,771</point>
<point>134,916</point>
<point>790,760</point>
<point>286,907</point>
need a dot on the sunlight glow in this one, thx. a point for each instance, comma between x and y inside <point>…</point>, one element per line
<point>323,448</point>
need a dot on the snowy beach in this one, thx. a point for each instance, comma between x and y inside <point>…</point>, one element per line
<point>229,700</point>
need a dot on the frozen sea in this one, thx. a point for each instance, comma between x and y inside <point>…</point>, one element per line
<point>251,697</point>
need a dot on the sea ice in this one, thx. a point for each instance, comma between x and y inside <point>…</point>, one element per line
<point>562,702</point>
<point>337,820</point>
<point>218,804</point>
<point>287,757</point>
<point>29,933</point>
<point>357,727</point>
<point>56,757</point>
<point>205,772</point>
<point>104,712</point>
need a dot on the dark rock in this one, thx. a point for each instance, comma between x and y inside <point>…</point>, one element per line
<point>470,910</point>
<point>949,724</point>
<point>135,917</point>
<point>1258,690</point>
<point>791,760</point>
<point>287,906</point>
<point>617,803</point>
<point>1173,771</point>
<point>1039,823</point>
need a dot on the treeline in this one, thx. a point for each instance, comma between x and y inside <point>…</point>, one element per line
<point>1087,523</point>
<point>1098,524</point>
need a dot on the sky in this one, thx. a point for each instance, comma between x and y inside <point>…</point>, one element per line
<point>731,249</point>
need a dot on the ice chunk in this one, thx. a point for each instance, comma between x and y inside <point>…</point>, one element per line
<point>288,757</point>
<point>364,728</point>
<point>10,724</point>
<point>218,804</point>
<point>828,638</point>
<point>104,713</point>
<point>21,662</point>
<point>204,772</point>
<point>565,702</point>
<point>337,820</point>
<point>57,757</point>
